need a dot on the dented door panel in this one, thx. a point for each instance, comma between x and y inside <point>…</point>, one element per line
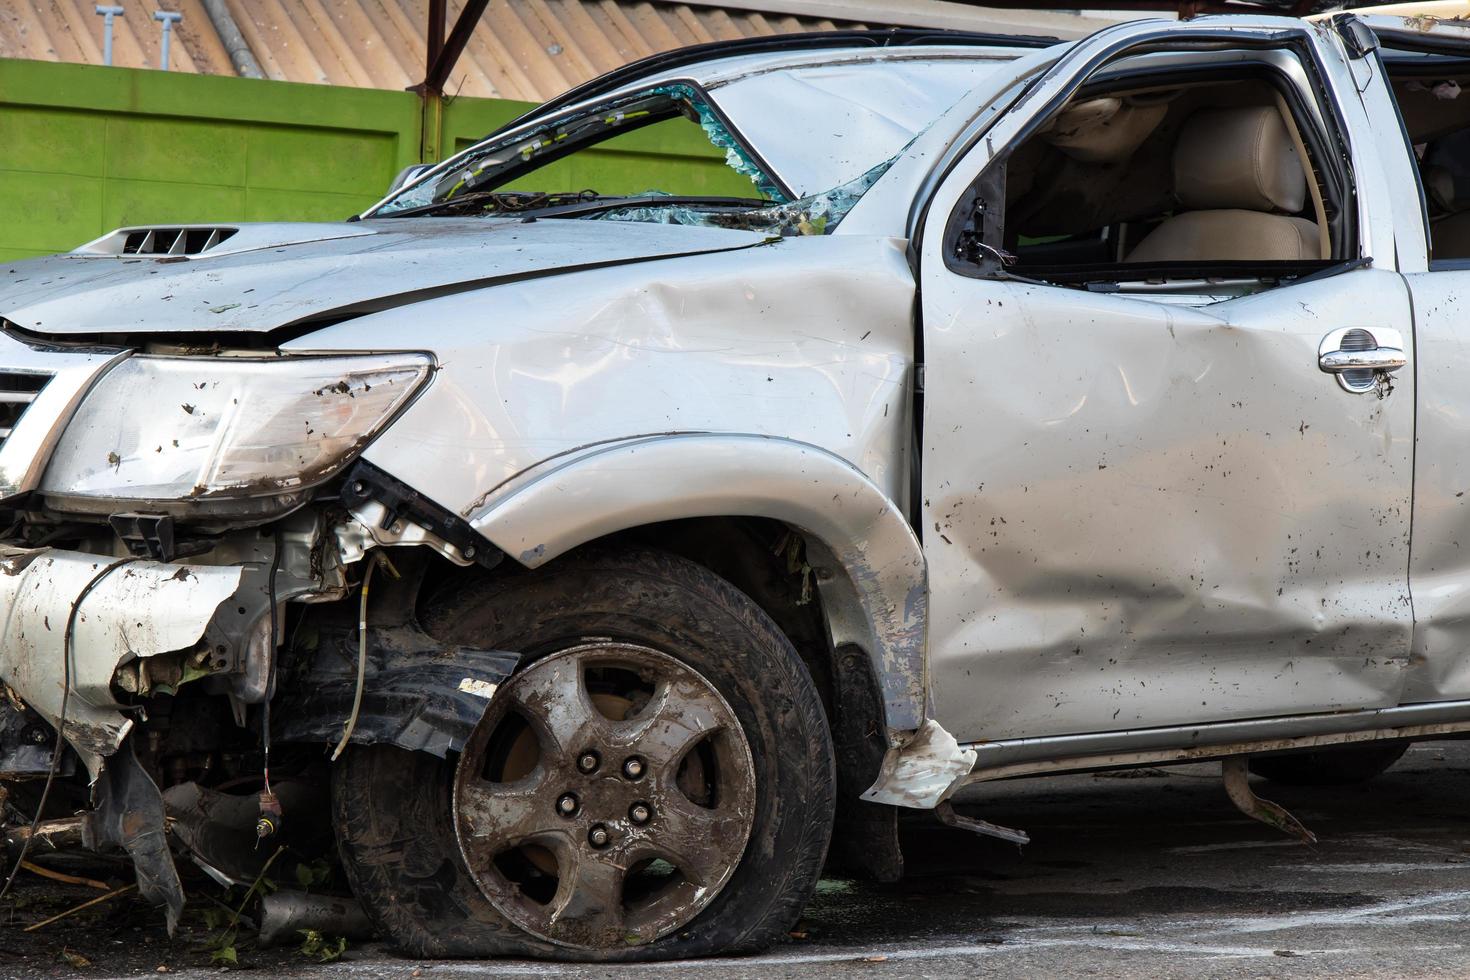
<point>1144,511</point>
<point>1439,572</point>
<point>1439,567</point>
<point>1139,514</point>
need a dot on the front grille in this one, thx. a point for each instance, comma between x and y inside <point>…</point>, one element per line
<point>17,391</point>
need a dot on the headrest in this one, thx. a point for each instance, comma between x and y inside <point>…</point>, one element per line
<point>1104,130</point>
<point>1238,158</point>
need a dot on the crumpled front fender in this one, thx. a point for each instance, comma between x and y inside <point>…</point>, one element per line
<point>117,609</point>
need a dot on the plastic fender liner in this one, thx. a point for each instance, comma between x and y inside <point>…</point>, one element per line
<point>416,695</point>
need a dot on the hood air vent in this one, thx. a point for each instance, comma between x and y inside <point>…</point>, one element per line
<point>173,241</point>
<point>17,391</point>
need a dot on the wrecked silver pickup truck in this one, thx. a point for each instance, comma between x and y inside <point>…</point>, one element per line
<point>1043,407</point>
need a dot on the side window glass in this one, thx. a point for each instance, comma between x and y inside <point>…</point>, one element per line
<point>1155,178</point>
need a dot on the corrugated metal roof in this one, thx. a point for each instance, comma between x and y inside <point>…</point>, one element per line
<point>70,30</point>
<point>522,49</point>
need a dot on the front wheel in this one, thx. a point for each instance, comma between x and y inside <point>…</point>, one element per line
<point>656,782</point>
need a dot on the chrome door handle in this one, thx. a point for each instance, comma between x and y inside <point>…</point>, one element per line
<point>1373,359</point>
<point>1356,355</point>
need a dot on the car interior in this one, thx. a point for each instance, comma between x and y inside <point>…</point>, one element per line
<point>1433,94</point>
<point>1212,175</point>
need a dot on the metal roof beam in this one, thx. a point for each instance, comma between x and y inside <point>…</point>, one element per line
<point>442,53</point>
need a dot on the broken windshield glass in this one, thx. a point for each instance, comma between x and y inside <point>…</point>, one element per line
<point>816,214</point>
<point>637,143</point>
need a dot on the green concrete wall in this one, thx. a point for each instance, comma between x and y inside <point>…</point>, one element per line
<point>85,149</point>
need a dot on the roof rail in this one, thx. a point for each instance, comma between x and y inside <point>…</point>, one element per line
<point>679,57</point>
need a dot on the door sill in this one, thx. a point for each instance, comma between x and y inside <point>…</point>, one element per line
<point>1188,743</point>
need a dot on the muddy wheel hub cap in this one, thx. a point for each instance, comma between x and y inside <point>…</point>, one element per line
<point>606,797</point>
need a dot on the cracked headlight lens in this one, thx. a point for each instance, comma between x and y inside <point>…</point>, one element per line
<point>170,428</point>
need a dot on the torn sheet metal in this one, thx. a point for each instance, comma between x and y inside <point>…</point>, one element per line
<point>133,609</point>
<point>705,344</point>
<point>922,772</point>
<point>289,278</point>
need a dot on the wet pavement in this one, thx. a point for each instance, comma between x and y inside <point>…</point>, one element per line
<point>1147,873</point>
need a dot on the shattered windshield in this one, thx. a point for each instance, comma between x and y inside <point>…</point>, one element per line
<point>664,155</point>
<point>788,150</point>
<point>667,140</point>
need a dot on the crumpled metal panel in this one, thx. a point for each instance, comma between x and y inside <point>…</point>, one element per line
<point>294,274</point>
<point>137,609</point>
<point>808,339</point>
<point>1145,511</point>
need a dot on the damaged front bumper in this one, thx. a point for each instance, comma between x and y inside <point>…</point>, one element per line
<point>70,619</point>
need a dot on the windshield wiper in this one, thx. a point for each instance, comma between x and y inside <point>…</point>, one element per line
<point>494,202</point>
<point>613,203</point>
<point>570,204</point>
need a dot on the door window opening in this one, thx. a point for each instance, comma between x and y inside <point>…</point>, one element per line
<point>1213,180</point>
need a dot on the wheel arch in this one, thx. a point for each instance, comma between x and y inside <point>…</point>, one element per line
<point>867,564</point>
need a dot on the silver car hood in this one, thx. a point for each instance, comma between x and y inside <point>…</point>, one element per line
<point>270,276</point>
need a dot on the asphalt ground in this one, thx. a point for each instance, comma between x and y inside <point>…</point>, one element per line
<point>1147,873</point>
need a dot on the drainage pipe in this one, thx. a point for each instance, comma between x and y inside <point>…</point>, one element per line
<point>229,34</point>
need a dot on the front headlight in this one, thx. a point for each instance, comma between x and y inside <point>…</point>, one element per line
<point>171,428</point>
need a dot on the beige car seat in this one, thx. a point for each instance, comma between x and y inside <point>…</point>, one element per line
<point>1235,170</point>
<point>1445,186</point>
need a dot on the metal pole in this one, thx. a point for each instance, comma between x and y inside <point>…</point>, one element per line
<point>169,19</point>
<point>241,56</point>
<point>108,12</point>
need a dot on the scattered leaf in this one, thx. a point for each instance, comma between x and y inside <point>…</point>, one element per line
<point>323,949</point>
<point>74,960</point>
<point>318,872</point>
